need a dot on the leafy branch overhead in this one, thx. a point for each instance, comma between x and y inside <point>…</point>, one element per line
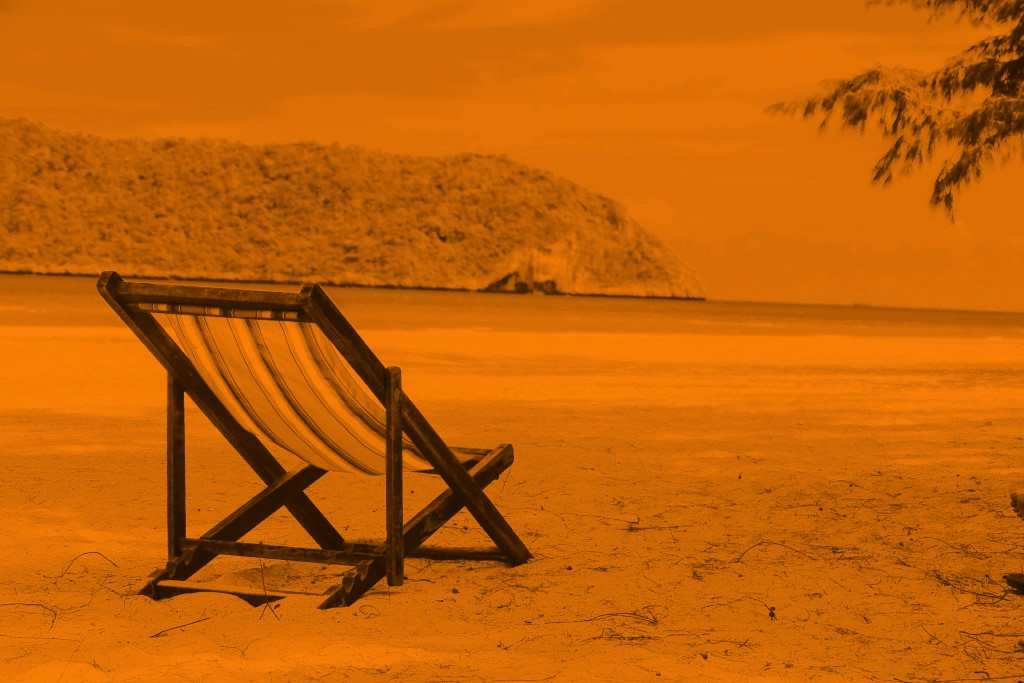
<point>971,111</point>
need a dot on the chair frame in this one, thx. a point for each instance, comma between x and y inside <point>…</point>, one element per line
<point>135,302</point>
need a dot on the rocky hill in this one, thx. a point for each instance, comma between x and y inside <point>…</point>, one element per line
<point>213,209</point>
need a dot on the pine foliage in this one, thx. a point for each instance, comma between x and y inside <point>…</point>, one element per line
<point>970,111</point>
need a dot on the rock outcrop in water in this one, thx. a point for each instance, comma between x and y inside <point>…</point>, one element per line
<point>73,203</point>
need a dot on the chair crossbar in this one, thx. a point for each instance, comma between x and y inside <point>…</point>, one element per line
<point>130,293</point>
<point>220,311</point>
<point>350,555</point>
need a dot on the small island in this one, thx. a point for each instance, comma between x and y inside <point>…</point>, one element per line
<point>212,209</point>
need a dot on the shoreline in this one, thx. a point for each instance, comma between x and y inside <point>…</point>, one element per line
<point>354,285</point>
<point>702,300</point>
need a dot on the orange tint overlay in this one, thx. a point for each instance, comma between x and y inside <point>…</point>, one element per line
<point>715,491</point>
<point>711,491</point>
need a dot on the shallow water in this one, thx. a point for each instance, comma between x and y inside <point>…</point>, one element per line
<point>31,300</point>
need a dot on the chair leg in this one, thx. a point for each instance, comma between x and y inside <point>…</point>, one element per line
<point>455,476</point>
<point>175,466</point>
<point>393,475</point>
<point>367,573</point>
<point>241,521</point>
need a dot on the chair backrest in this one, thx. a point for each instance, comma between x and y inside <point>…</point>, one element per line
<point>278,374</point>
<point>285,381</point>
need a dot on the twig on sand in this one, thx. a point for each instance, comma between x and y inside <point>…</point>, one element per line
<point>963,548</point>
<point>646,618</point>
<point>986,677</point>
<point>760,543</point>
<point>956,585</point>
<point>635,526</point>
<point>167,630</point>
<point>933,636</point>
<point>13,637</point>
<point>68,663</point>
<point>266,604</point>
<point>77,557</point>
<point>612,634</point>
<point>53,612</point>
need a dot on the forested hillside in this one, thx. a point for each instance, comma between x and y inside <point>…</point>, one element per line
<point>72,203</point>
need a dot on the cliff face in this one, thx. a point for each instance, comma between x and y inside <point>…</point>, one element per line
<point>307,212</point>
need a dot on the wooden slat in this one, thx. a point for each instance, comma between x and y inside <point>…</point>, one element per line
<point>470,451</point>
<point>366,574</point>
<point>147,292</point>
<point>219,311</point>
<point>351,554</point>
<point>394,510</point>
<point>465,458</point>
<point>252,450</point>
<point>440,553</point>
<point>247,517</point>
<point>265,503</point>
<point>175,466</point>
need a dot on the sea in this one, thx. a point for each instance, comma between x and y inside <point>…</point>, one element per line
<point>37,300</point>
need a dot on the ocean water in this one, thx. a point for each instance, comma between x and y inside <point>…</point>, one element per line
<point>30,300</point>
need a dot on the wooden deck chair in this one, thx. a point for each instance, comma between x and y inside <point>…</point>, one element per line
<point>288,369</point>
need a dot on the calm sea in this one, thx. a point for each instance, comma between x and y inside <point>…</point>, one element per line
<point>73,301</point>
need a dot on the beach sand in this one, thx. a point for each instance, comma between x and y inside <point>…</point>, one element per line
<point>701,505</point>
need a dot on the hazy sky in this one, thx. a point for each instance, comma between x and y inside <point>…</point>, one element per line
<point>657,103</point>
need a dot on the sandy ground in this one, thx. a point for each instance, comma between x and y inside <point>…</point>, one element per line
<point>701,506</point>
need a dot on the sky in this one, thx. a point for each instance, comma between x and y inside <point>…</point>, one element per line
<point>659,104</point>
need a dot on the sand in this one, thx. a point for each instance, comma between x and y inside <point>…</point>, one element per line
<point>702,505</point>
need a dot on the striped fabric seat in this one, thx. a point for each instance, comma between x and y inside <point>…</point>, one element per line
<point>285,381</point>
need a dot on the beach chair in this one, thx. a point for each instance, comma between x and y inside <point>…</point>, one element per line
<point>271,367</point>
